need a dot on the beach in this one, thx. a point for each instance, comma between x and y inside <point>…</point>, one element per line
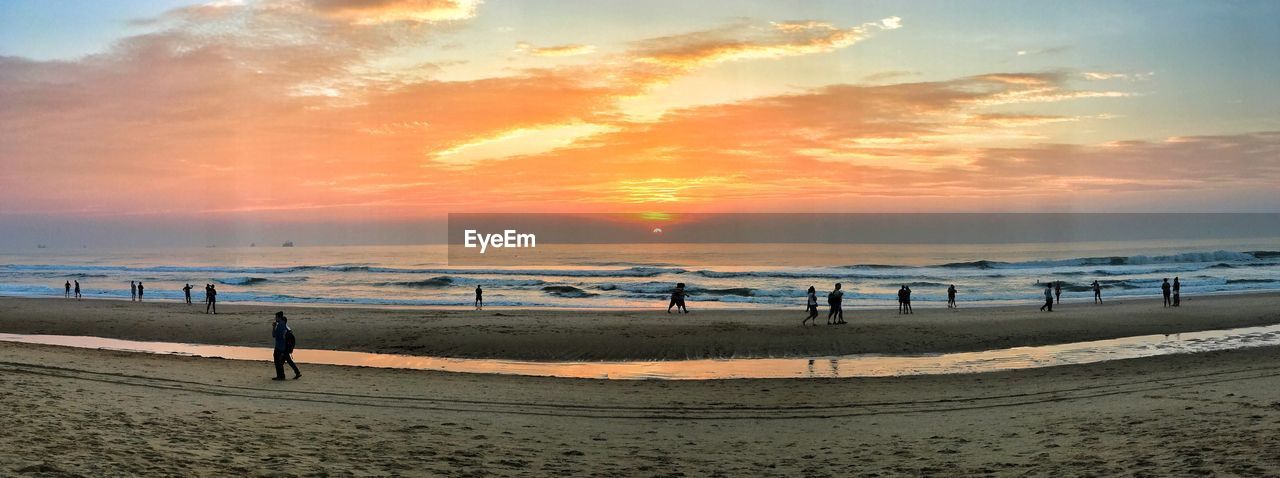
<point>75,412</point>
<point>651,334</point>
<point>86,412</point>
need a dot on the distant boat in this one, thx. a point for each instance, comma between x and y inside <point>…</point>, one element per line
<point>253,244</point>
<point>41,246</point>
<point>287,244</point>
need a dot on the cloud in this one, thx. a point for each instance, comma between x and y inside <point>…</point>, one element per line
<point>1100,75</point>
<point>746,41</point>
<point>555,51</point>
<point>368,12</point>
<point>889,75</point>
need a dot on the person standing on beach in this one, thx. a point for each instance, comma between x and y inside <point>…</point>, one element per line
<point>186,292</point>
<point>212,303</point>
<point>1097,292</point>
<point>1057,291</point>
<point>479,298</point>
<point>812,307</point>
<point>951,297</point>
<point>902,296</point>
<point>77,290</point>
<point>1177,293</point>
<point>1048,298</point>
<point>836,300</point>
<point>1164,289</point>
<point>906,299</point>
<point>66,294</point>
<point>133,291</point>
<point>139,291</point>
<point>285,342</point>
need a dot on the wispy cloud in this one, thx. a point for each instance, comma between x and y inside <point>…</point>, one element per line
<point>555,51</point>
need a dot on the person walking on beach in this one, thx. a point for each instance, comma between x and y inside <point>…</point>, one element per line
<point>1164,289</point>
<point>812,307</point>
<point>77,289</point>
<point>1057,292</point>
<point>1048,298</point>
<point>1177,293</point>
<point>836,300</point>
<point>140,291</point>
<point>66,294</point>
<point>1097,292</point>
<point>186,292</point>
<point>212,299</point>
<point>677,299</point>
<point>902,297</point>
<point>479,298</point>
<point>133,291</point>
<point>285,342</point>
<point>951,297</point>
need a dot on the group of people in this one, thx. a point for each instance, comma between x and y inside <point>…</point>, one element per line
<point>67,290</point>
<point>677,299</point>
<point>135,291</point>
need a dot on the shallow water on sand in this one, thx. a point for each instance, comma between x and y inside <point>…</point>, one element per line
<point>1016,358</point>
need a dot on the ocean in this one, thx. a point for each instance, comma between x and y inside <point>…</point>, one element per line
<point>641,275</point>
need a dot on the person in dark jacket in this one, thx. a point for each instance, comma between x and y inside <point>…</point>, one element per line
<point>284,347</point>
<point>1164,290</point>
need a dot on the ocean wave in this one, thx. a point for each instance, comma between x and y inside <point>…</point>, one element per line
<point>567,291</point>
<point>240,280</point>
<point>1251,281</point>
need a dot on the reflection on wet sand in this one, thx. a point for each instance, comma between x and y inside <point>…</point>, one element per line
<point>714,369</point>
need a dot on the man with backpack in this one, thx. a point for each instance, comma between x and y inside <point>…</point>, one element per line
<point>284,346</point>
<point>836,300</point>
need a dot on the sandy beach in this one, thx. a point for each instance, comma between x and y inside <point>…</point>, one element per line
<point>81,412</point>
<point>71,412</point>
<point>553,334</point>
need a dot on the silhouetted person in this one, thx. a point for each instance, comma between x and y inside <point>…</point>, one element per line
<point>186,292</point>
<point>77,289</point>
<point>140,289</point>
<point>1164,289</point>
<point>677,299</point>
<point>66,294</point>
<point>1177,293</point>
<point>1048,298</point>
<point>1057,291</point>
<point>902,297</point>
<point>212,303</point>
<point>951,297</point>
<point>133,291</point>
<point>836,300</point>
<point>811,305</point>
<point>479,298</point>
<point>285,342</point>
<point>1097,292</point>
<point>906,299</point>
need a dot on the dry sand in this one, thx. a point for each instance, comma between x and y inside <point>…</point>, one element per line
<point>647,334</point>
<point>77,412</point>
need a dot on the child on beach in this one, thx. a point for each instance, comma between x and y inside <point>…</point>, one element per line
<point>812,307</point>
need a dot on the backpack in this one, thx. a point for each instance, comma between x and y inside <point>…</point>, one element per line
<point>831,298</point>
<point>289,341</point>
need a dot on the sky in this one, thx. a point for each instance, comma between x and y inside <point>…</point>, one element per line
<point>185,116</point>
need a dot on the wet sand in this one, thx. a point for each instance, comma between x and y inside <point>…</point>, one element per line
<point>634,335</point>
<point>75,412</point>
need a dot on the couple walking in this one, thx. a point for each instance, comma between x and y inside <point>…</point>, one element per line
<point>835,299</point>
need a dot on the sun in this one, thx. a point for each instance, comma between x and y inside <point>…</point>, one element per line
<point>657,231</point>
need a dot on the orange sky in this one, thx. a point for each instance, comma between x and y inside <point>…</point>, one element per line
<point>340,110</point>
